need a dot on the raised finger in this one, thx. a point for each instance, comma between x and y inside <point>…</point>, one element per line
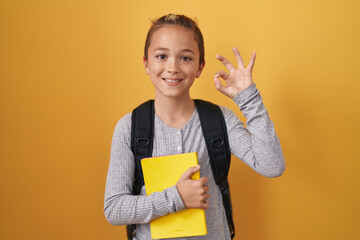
<point>252,61</point>
<point>226,62</point>
<point>238,58</point>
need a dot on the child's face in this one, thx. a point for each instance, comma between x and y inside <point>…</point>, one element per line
<point>173,61</point>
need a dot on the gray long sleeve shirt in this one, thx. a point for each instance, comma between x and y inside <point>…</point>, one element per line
<point>257,146</point>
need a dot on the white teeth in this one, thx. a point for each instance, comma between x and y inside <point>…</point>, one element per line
<point>171,81</point>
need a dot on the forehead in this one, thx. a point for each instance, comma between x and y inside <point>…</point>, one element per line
<point>174,37</point>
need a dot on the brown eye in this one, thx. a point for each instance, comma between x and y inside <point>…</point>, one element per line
<point>161,56</point>
<point>186,58</point>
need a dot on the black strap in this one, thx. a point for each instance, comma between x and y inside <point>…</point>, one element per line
<point>142,135</point>
<point>215,133</point>
<point>214,130</point>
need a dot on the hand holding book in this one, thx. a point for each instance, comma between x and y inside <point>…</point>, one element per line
<point>193,192</point>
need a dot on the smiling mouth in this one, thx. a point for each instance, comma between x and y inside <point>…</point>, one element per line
<point>169,80</point>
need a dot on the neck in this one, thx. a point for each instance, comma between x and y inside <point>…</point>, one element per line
<point>175,112</point>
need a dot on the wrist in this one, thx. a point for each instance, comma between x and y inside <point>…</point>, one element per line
<point>178,201</point>
<point>245,94</point>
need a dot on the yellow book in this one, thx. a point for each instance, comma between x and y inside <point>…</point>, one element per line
<point>163,172</point>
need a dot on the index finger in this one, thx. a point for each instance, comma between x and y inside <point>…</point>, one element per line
<point>226,62</point>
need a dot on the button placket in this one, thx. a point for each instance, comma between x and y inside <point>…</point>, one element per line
<point>179,141</point>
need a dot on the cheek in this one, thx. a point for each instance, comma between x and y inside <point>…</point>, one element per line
<point>155,69</point>
<point>192,71</point>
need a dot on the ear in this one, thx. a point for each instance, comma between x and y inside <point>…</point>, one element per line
<point>146,65</point>
<point>201,68</point>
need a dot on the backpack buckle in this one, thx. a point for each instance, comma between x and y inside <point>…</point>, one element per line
<point>142,142</point>
<point>218,142</point>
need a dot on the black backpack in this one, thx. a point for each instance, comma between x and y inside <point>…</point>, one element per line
<point>216,139</point>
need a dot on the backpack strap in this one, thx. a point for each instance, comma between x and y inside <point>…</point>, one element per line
<point>142,135</point>
<point>215,133</point>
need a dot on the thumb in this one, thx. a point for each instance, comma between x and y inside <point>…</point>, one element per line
<point>188,173</point>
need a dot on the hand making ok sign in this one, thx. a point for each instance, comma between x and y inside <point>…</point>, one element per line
<point>237,79</point>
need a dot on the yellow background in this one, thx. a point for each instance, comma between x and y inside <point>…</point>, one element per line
<point>70,69</point>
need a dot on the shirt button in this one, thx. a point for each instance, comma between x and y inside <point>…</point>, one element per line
<point>178,132</point>
<point>179,148</point>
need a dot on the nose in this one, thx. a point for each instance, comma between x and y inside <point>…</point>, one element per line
<point>172,66</point>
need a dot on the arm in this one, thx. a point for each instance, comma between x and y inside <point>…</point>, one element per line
<point>120,206</point>
<point>258,146</point>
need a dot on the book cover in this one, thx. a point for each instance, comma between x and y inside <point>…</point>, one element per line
<point>163,172</point>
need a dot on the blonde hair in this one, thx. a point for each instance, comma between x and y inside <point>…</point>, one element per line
<point>180,20</point>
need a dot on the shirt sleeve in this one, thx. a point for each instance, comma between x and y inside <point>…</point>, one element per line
<point>257,145</point>
<point>120,206</point>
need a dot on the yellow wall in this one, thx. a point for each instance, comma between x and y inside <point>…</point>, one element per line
<point>70,69</point>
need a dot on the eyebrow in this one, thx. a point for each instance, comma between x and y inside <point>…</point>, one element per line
<point>166,49</point>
